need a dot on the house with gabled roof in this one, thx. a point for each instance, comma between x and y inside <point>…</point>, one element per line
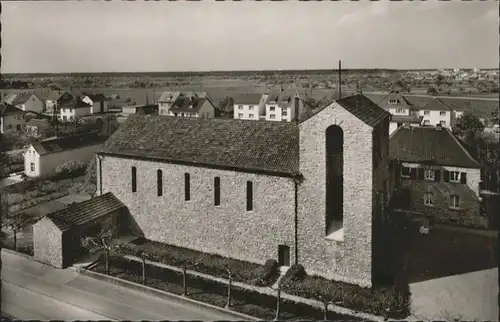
<point>249,106</point>
<point>436,112</point>
<point>11,118</point>
<point>283,105</point>
<point>28,101</point>
<point>98,102</point>
<point>186,104</point>
<point>43,157</point>
<point>73,109</point>
<point>57,235</point>
<point>440,179</point>
<point>54,99</point>
<point>305,193</point>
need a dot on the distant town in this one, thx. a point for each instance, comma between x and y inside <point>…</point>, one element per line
<point>331,194</point>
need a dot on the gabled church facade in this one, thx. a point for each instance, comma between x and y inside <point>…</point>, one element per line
<point>304,193</point>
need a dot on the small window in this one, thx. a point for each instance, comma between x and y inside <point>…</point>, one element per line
<point>272,116</point>
<point>442,122</point>
<point>429,174</point>
<point>405,172</point>
<point>240,107</point>
<point>240,115</point>
<point>454,176</point>
<point>250,107</point>
<point>426,122</point>
<point>18,127</point>
<point>399,110</point>
<point>455,201</point>
<point>442,113</point>
<point>249,195</point>
<point>250,116</point>
<point>285,113</point>
<point>428,199</point>
<point>272,108</point>
<point>427,113</point>
<point>187,187</point>
<point>134,179</point>
<point>32,166</point>
<point>216,191</point>
<point>159,182</point>
<point>393,101</point>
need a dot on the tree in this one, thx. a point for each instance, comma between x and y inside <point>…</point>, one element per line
<point>14,221</point>
<point>70,169</point>
<point>100,241</point>
<point>468,127</point>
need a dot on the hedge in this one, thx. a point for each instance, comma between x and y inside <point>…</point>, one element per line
<point>392,301</point>
<point>210,264</point>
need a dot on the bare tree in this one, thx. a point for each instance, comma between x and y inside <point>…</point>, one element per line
<point>100,242</point>
<point>230,279</point>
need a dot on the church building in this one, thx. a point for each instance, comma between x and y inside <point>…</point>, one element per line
<point>302,193</point>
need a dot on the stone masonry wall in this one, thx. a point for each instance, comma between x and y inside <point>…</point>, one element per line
<point>228,230</point>
<point>350,260</point>
<point>47,243</point>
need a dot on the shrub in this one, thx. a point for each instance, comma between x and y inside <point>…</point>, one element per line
<point>70,169</point>
<point>266,275</point>
<point>295,273</point>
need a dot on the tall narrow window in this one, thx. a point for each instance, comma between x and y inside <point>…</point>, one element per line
<point>249,195</point>
<point>334,179</point>
<point>217,191</point>
<point>134,179</point>
<point>187,187</point>
<point>159,182</point>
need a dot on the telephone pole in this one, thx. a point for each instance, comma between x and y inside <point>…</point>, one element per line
<point>340,79</point>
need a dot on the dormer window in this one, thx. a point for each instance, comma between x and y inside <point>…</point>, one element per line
<point>393,101</point>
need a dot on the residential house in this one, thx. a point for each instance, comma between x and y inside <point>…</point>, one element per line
<point>73,109</point>
<point>404,120</point>
<point>27,101</point>
<point>438,112</point>
<point>54,99</point>
<point>11,118</point>
<point>440,180</point>
<point>283,106</point>
<point>186,104</point>
<point>98,103</point>
<point>302,193</point>
<point>139,109</point>
<point>42,158</point>
<point>250,106</point>
<point>397,104</point>
<point>166,101</point>
<point>192,105</point>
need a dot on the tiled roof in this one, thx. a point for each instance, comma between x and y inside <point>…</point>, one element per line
<point>75,103</point>
<point>9,98</point>
<point>429,145</point>
<point>97,97</point>
<point>438,105</point>
<point>270,147</point>
<point>251,98</point>
<point>190,104</point>
<point>8,109</point>
<point>54,95</point>
<point>168,97</point>
<point>407,118</point>
<point>84,212</point>
<point>364,109</point>
<point>59,144</point>
<point>395,95</point>
<point>21,98</point>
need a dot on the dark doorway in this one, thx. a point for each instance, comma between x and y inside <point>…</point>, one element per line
<point>101,107</point>
<point>283,255</point>
<point>334,178</point>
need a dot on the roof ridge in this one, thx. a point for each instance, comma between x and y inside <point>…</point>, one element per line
<point>467,153</point>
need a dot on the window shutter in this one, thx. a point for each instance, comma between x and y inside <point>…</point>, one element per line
<point>446,176</point>
<point>413,173</point>
<point>420,174</point>
<point>463,178</point>
<point>437,175</point>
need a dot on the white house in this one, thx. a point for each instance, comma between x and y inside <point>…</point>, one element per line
<point>250,106</point>
<point>396,104</point>
<point>74,109</point>
<point>189,104</point>
<point>98,103</point>
<point>11,118</point>
<point>166,101</point>
<point>42,158</point>
<point>438,112</point>
<point>54,99</point>
<point>283,106</point>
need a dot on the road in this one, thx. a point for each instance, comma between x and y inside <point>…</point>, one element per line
<point>33,291</point>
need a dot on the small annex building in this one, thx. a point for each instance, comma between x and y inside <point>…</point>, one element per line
<point>56,236</point>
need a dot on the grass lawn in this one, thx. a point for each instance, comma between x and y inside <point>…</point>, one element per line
<point>251,303</point>
<point>444,252</point>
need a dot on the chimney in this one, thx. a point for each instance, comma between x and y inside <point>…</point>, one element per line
<point>340,79</point>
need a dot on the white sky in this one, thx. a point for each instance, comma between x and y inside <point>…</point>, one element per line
<point>117,36</point>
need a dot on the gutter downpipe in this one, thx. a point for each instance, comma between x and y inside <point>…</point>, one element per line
<point>100,173</point>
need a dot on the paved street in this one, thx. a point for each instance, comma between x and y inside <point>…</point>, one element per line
<point>31,290</point>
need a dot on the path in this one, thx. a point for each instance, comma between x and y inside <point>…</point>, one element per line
<point>55,294</point>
